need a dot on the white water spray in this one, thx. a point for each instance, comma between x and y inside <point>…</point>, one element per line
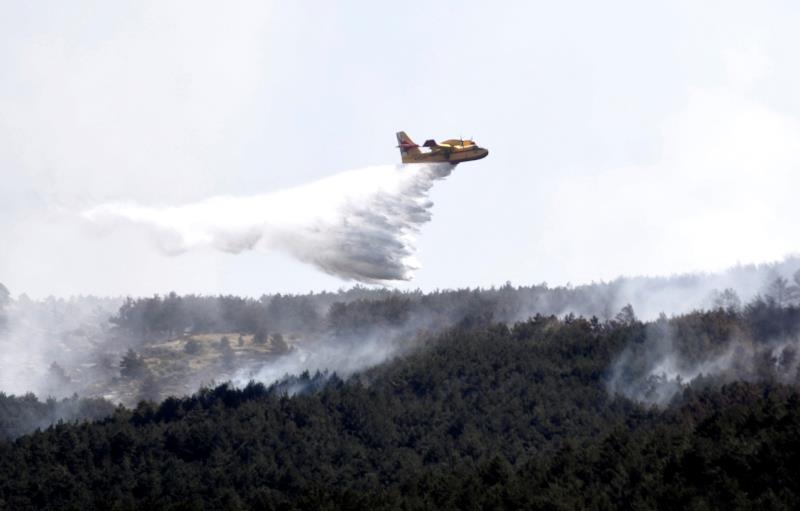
<point>359,224</point>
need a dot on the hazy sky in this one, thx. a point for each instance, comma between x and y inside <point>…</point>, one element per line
<point>625,137</point>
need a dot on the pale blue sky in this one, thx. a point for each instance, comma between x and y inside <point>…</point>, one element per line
<point>625,137</point>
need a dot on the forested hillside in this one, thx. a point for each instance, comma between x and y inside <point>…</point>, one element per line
<point>127,349</point>
<point>481,415</point>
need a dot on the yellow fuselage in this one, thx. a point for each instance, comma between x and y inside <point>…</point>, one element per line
<point>447,153</point>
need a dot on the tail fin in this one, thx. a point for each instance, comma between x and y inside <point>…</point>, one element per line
<point>406,145</point>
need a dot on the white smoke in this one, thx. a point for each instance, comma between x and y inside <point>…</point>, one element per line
<point>37,334</point>
<point>359,224</point>
<point>343,358</point>
<point>656,370</point>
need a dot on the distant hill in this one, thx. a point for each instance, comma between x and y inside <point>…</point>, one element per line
<point>83,345</point>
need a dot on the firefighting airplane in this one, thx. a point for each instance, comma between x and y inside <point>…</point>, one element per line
<point>453,151</point>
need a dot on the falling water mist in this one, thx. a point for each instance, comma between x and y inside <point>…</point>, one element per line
<point>358,225</point>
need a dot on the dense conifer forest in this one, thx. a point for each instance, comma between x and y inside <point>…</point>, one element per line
<point>697,411</point>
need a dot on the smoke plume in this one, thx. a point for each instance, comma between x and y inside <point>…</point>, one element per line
<point>343,356</point>
<point>659,368</point>
<point>359,224</point>
<point>39,339</point>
